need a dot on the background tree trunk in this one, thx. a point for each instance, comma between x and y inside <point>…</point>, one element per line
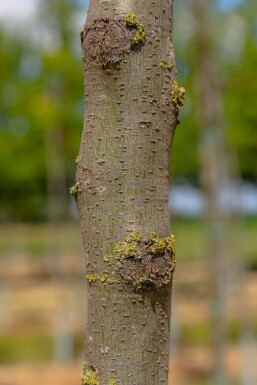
<point>213,175</point>
<point>132,103</point>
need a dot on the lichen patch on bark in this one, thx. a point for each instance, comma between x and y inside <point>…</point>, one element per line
<point>146,264</point>
<point>89,375</point>
<point>148,273</point>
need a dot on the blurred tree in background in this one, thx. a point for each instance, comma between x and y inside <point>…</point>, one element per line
<point>41,114</point>
<point>240,87</point>
<point>235,32</point>
<point>41,109</point>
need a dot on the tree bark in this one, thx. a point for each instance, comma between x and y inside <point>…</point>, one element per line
<point>131,108</point>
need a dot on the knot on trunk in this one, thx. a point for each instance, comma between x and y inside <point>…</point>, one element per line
<point>146,264</point>
<point>105,41</point>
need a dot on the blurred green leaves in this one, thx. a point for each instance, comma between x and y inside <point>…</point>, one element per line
<point>235,53</point>
<point>41,92</point>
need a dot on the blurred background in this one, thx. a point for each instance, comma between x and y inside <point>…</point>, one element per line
<point>213,193</point>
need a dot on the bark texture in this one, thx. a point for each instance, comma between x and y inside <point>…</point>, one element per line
<point>131,106</point>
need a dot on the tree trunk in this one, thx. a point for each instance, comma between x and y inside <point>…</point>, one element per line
<point>132,102</point>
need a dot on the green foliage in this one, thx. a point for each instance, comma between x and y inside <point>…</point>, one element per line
<point>25,348</point>
<point>30,347</point>
<point>41,113</point>
<point>241,108</point>
<point>238,83</point>
<point>197,334</point>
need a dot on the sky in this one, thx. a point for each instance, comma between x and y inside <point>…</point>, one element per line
<point>227,5</point>
<point>12,10</point>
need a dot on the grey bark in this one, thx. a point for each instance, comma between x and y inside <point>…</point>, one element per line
<point>131,109</point>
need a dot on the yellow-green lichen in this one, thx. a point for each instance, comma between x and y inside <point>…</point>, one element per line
<point>118,249</point>
<point>102,278</point>
<point>173,262</point>
<point>90,377</point>
<point>132,21</point>
<point>170,244</point>
<point>154,237</point>
<point>166,64</point>
<point>177,95</point>
<point>134,237</point>
<point>92,278</point>
<point>129,250</point>
<point>74,190</point>
<point>112,382</point>
<point>171,247</point>
<point>158,246</point>
<point>110,281</point>
<point>129,247</point>
<point>106,259</point>
<point>140,34</point>
<point>154,102</point>
<point>78,159</point>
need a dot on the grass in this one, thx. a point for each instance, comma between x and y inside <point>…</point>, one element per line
<point>25,348</point>
<point>200,334</point>
<point>191,231</point>
<point>31,348</point>
<point>40,240</point>
<point>240,236</point>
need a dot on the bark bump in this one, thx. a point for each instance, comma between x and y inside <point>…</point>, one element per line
<point>146,264</point>
<point>106,41</point>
